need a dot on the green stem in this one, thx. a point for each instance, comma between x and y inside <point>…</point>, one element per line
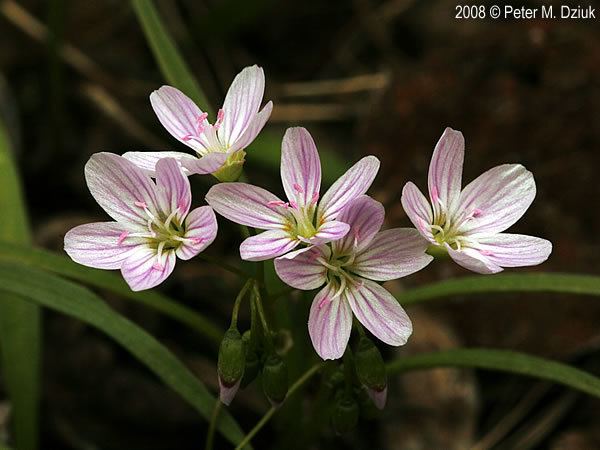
<point>348,370</point>
<point>210,437</point>
<point>263,318</point>
<point>293,388</point>
<point>238,300</point>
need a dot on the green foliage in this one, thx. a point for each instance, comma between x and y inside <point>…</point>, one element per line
<point>20,321</point>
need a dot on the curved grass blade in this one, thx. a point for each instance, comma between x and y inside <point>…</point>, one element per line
<point>62,265</point>
<point>20,321</point>
<point>171,64</point>
<point>502,360</point>
<point>76,301</point>
<point>524,282</point>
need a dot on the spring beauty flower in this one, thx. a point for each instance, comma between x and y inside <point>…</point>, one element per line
<point>303,218</point>
<point>219,146</point>
<point>349,269</point>
<point>153,222</point>
<point>468,223</point>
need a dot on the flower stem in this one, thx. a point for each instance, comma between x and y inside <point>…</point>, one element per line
<point>293,388</point>
<point>238,300</point>
<point>348,370</point>
<point>210,437</point>
<point>263,318</point>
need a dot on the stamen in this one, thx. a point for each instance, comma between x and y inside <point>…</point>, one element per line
<point>170,217</point>
<point>220,117</point>
<point>293,204</point>
<point>486,252</point>
<point>298,188</point>
<point>198,240</point>
<point>437,228</point>
<point>122,237</point>
<point>435,198</point>
<point>277,203</point>
<point>323,302</point>
<point>157,266</point>
<point>477,213</point>
<point>315,198</point>
<point>140,204</point>
<point>342,287</point>
<point>187,137</point>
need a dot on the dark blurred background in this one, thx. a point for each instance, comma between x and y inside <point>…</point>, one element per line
<point>381,77</point>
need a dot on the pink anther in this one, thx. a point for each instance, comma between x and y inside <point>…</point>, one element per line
<point>477,213</point>
<point>140,204</point>
<point>122,237</point>
<point>486,252</point>
<point>157,266</point>
<point>434,195</point>
<point>315,198</point>
<point>198,240</point>
<point>298,188</point>
<point>276,203</point>
<point>293,204</point>
<point>324,302</point>
<point>220,117</point>
<point>187,137</point>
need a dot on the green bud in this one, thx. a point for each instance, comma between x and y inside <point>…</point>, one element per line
<point>345,414</point>
<point>275,379</point>
<point>252,361</point>
<point>370,370</point>
<point>230,366</point>
<point>232,169</point>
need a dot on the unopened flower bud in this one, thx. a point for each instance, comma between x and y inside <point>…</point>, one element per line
<point>252,361</point>
<point>275,379</point>
<point>345,414</point>
<point>370,370</point>
<point>230,365</point>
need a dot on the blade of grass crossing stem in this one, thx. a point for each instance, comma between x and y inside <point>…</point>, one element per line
<point>62,265</point>
<point>522,282</point>
<point>50,291</point>
<point>502,360</point>
<point>20,321</point>
<point>171,64</point>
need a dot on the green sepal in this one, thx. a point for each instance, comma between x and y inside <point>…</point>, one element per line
<point>232,358</point>
<point>232,169</point>
<point>275,379</point>
<point>370,368</point>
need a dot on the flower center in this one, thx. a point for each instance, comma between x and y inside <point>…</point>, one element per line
<point>447,230</point>
<point>339,270</point>
<point>206,135</point>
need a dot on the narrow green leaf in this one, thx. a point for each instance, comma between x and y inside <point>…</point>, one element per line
<point>171,64</point>
<point>20,321</point>
<point>62,265</point>
<point>502,360</point>
<point>76,301</point>
<point>525,282</point>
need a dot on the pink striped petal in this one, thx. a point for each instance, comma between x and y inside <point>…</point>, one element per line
<point>179,115</point>
<point>267,245</point>
<point>247,205</point>
<point>200,232</point>
<point>301,270</point>
<point>173,189</point>
<point>328,232</point>
<point>147,160</point>
<point>242,102</point>
<point>445,171</point>
<point>255,127</point>
<point>379,312</point>
<point>473,260</point>
<point>514,250</point>
<point>496,199</point>
<point>209,163</point>
<point>103,245</point>
<point>143,269</point>
<point>392,254</point>
<point>120,188</point>
<point>418,210</point>
<point>356,181</point>
<point>329,323</point>
<point>300,167</point>
<point>365,217</point>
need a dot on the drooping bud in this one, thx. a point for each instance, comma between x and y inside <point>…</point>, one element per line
<point>230,366</point>
<point>232,169</point>
<point>275,379</point>
<point>252,361</point>
<point>370,370</point>
<point>345,414</point>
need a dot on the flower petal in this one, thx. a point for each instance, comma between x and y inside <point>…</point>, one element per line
<point>143,269</point>
<point>173,189</point>
<point>379,312</point>
<point>120,188</point>
<point>147,160</point>
<point>356,181</point>
<point>267,245</point>
<point>471,259</point>
<point>514,250</point>
<point>392,254</point>
<point>329,323</point>
<point>445,171</point>
<point>247,205</point>
<point>328,232</point>
<point>300,167</point>
<point>200,230</point>
<point>242,102</point>
<point>255,127</point>
<point>365,217</point>
<point>179,115</point>
<point>496,199</point>
<point>418,209</point>
<point>209,163</point>
<point>301,270</point>
<point>103,245</point>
